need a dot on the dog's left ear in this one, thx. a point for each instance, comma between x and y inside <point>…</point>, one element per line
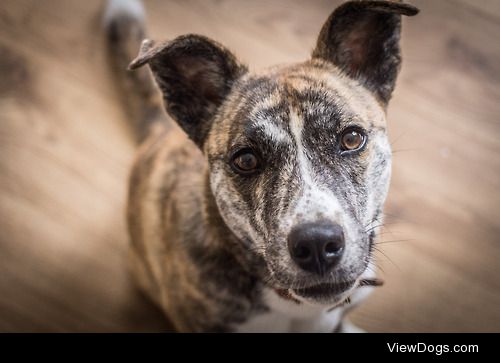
<point>362,39</point>
<point>195,75</point>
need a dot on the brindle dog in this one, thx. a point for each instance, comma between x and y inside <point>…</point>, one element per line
<point>255,207</point>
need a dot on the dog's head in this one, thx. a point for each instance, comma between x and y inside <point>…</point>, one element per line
<point>299,158</point>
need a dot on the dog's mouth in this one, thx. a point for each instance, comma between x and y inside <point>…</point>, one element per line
<point>328,293</point>
<point>324,290</point>
<point>324,293</point>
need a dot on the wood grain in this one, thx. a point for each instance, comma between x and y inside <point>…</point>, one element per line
<point>65,150</point>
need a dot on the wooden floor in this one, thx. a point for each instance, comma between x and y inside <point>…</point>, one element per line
<point>65,151</point>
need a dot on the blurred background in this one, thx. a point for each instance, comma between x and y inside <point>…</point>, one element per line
<point>65,152</point>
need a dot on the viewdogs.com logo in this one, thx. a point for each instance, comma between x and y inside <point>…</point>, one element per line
<point>437,349</point>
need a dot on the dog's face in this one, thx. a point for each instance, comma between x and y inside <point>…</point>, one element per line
<point>299,155</point>
<point>299,159</point>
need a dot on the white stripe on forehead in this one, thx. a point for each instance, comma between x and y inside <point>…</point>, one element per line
<point>265,122</point>
<point>314,200</point>
<point>297,126</point>
<point>274,132</point>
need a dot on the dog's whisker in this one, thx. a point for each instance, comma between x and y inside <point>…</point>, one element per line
<point>371,282</point>
<point>387,232</point>
<point>395,241</point>
<point>374,227</point>
<point>395,140</point>
<point>387,257</point>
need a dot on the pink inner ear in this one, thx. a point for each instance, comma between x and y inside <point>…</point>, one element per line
<point>357,44</point>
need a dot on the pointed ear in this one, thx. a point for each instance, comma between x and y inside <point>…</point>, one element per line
<point>362,39</point>
<point>195,75</point>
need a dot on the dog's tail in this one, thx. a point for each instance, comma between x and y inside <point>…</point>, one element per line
<point>124,24</point>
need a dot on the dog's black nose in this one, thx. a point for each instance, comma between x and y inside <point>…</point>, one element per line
<point>316,247</point>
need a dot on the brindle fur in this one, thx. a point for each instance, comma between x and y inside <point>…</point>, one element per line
<point>209,245</point>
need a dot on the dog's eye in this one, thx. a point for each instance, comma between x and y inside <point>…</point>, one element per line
<point>245,162</point>
<point>352,139</point>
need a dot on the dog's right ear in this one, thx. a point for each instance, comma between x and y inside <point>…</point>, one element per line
<point>362,39</point>
<point>195,75</point>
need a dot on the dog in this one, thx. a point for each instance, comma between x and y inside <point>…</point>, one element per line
<point>254,206</point>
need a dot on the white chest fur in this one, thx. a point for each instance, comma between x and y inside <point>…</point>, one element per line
<point>286,316</point>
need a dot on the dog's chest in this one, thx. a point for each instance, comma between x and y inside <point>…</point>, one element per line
<point>286,316</point>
